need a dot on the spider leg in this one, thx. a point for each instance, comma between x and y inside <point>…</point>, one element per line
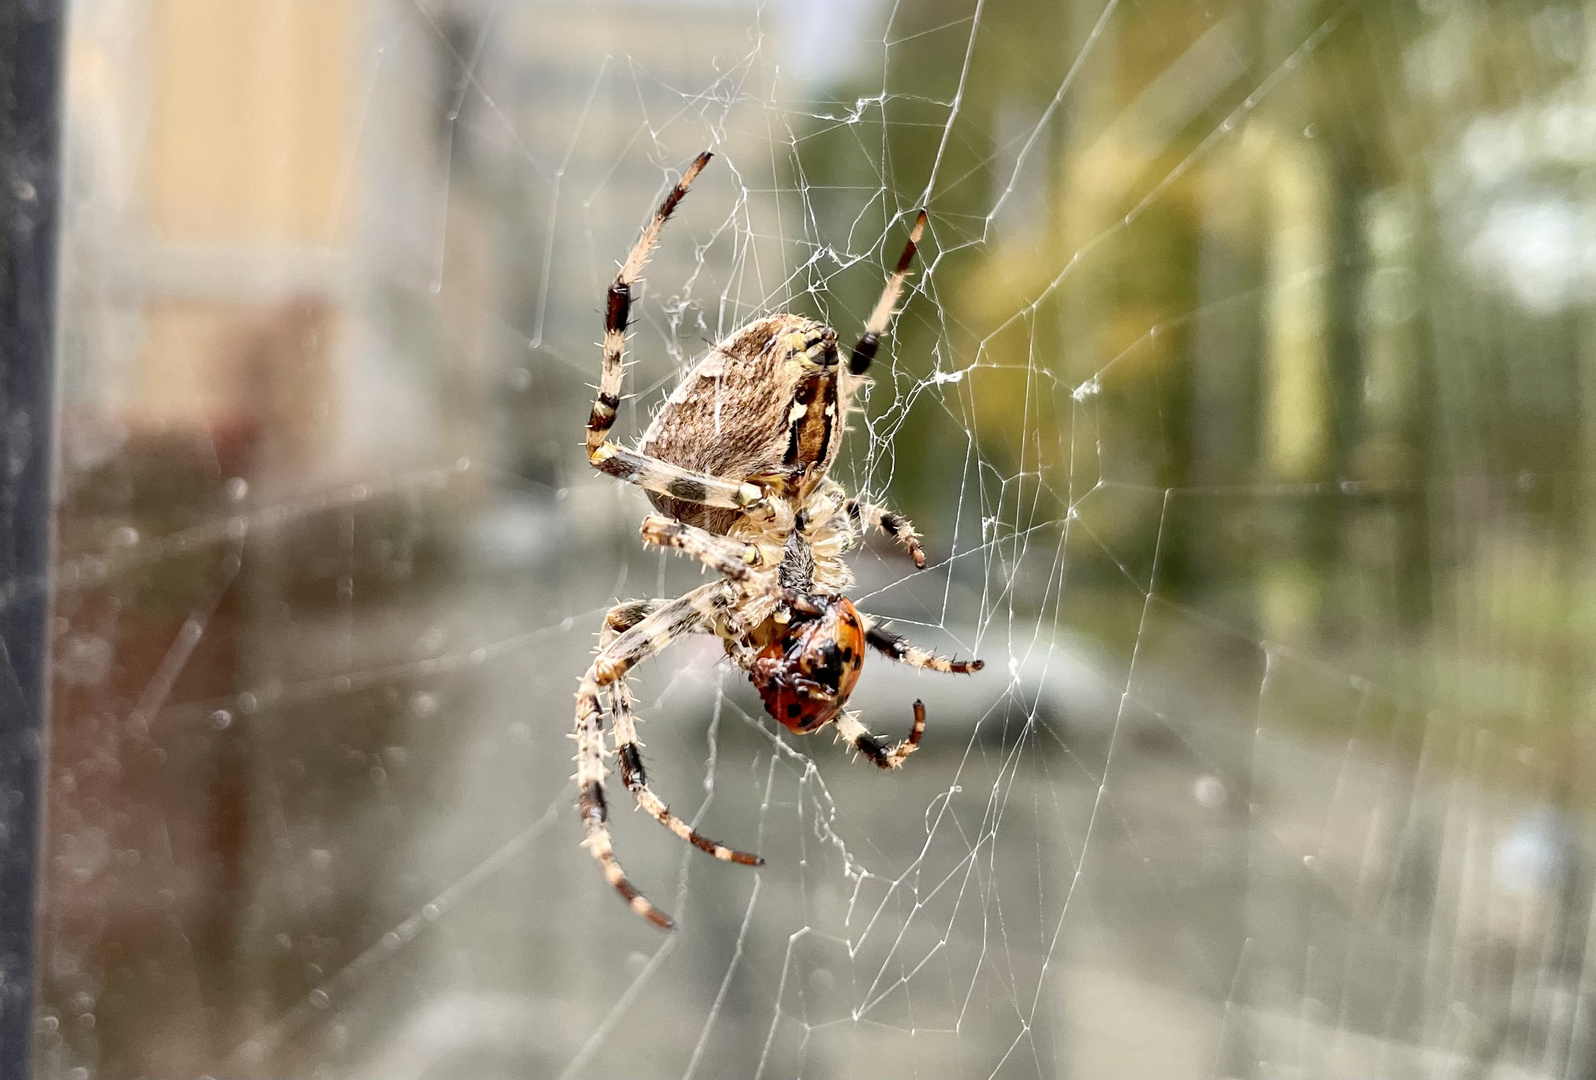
<point>621,618</point>
<point>736,561</point>
<point>886,757</point>
<point>891,522</point>
<point>652,474</point>
<point>649,635</point>
<point>876,325</point>
<point>905,652</point>
<point>732,559</point>
<point>618,305</point>
<point>648,472</point>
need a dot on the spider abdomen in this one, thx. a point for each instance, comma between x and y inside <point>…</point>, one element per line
<point>805,674</point>
<point>765,405</point>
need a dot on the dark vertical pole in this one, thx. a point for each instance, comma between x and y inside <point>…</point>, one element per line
<point>30,115</point>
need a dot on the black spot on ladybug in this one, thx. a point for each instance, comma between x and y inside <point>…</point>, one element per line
<point>828,667</point>
<point>794,709</point>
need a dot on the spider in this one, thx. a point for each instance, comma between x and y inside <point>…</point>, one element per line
<point>735,462</point>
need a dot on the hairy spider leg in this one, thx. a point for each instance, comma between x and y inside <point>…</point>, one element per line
<point>653,474</point>
<point>620,619</point>
<point>618,305</point>
<point>904,651</point>
<point>628,465</point>
<point>648,636</point>
<point>734,560</point>
<point>900,649</point>
<point>851,731</point>
<point>869,515</point>
<point>865,351</point>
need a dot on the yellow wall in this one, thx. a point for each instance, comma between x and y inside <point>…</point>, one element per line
<point>250,134</point>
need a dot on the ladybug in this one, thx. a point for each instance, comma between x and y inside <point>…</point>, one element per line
<point>806,672</point>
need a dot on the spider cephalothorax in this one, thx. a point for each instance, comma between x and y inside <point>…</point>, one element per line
<point>737,462</point>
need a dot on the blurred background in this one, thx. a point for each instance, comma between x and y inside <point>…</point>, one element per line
<point>1246,399</point>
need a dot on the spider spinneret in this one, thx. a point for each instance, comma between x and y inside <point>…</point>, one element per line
<point>736,463</point>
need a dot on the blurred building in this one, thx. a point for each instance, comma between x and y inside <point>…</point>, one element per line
<point>312,248</point>
<point>224,222</point>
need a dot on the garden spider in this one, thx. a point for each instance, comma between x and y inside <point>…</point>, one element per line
<point>736,462</point>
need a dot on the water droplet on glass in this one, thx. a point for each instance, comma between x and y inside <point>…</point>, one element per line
<point>221,719</point>
<point>318,999</point>
<point>237,488</point>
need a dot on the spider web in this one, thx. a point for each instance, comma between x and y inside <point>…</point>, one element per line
<point>1238,396</point>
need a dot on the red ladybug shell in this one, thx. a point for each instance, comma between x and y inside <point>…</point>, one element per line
<point>806,674</point>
